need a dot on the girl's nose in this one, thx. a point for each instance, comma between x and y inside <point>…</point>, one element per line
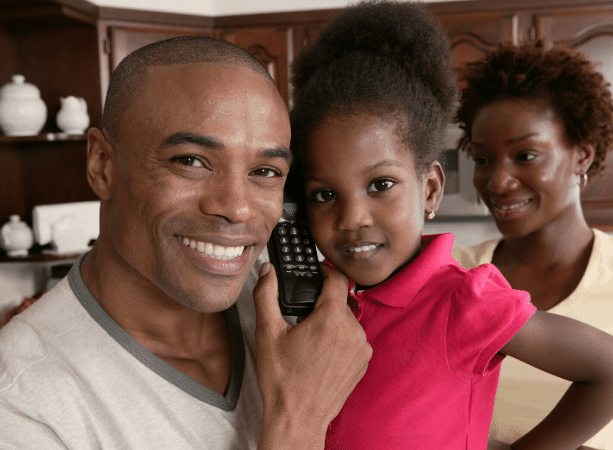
<point>353,214</point>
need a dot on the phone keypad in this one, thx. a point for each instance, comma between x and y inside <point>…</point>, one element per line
<point>298,252</point>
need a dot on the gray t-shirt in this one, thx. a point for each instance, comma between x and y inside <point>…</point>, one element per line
<point>71,377</point>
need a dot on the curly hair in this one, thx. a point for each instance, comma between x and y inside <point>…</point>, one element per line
<point>562,78</point>
<point>384,58</point>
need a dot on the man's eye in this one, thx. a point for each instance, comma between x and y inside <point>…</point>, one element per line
<point>267,172</point>
<point>189,160</point>
<point>323,196</point>
<point>380,185</point>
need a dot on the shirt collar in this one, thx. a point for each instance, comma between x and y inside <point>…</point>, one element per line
<point>402,287</point>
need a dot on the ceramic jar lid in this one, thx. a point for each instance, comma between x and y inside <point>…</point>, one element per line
<point>19,88</point>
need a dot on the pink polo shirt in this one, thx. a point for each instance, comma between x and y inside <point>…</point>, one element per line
<point>435,329</point>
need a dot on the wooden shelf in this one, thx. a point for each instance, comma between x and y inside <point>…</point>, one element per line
<point>43,137</point>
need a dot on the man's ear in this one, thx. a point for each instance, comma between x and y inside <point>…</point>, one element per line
<point>433,187</point>
<point>585,158</point>
<point>100,163</point>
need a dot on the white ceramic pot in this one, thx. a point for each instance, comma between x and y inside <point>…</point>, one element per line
<point>22,111</point>
<point>16,237</point>
<point>72,117</point>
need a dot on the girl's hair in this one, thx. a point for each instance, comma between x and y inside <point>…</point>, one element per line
<point>560,78</point>
<point>388,59</point>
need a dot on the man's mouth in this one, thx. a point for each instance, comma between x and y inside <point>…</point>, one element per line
<point>213,251</point>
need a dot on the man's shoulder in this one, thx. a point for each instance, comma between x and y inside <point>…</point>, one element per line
<point>29,338</point>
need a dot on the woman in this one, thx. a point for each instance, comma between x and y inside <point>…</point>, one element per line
<point>538,124</point>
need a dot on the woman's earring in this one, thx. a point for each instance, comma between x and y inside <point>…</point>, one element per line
<point>431,215</point>
<point>583,180</point>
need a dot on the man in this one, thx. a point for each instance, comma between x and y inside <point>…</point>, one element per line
<point>144,344</point>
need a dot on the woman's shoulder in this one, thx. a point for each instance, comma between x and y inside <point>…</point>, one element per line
<point>475,255</point>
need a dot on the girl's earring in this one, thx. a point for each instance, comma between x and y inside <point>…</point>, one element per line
<point>583,182</point>
<point>431,215</point>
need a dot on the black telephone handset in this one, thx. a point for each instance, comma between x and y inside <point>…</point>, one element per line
<point>292,251</point>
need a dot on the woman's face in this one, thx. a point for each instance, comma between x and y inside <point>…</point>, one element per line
<point>525,170</point>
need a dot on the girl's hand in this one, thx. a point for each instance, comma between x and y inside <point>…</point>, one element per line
<point>576,352</point>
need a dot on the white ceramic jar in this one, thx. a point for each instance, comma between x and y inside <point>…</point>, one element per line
<point>22,111</point>
<point>16,237</point>
<point>72,117</point>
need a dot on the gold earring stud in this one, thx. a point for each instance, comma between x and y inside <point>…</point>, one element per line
<point>583,182</point>
<point>431,215</point>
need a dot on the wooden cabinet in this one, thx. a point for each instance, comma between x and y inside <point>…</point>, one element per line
<point>55,47</point>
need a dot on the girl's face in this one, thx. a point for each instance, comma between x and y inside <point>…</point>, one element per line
<point>366,202</point>
<point>525,170</point>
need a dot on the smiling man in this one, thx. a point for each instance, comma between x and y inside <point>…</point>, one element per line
<point>150,341</point>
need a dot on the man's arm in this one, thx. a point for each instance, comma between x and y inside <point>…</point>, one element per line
<point>306,372</point>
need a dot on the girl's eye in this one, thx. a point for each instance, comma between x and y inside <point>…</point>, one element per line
<point>323,196</point>
<point>380,185</point>
<point>267,172</point>
<point>189,160</point>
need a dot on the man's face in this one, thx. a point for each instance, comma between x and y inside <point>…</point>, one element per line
<point>201,160</point>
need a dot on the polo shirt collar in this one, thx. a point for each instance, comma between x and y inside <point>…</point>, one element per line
<point>399,290</point>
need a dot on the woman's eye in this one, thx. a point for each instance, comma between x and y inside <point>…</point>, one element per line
<point>189,160</point>
<point>380,185</point>
<point>267,172</point>
<point>323,196</point>
<point>526,157</point>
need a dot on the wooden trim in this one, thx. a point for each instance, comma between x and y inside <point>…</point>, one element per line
<point>275,18</point>
<point>156,17</point>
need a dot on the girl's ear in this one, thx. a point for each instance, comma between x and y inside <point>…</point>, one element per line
<point>433,187</point>
<point>100,163</point>
<point>585,154</point>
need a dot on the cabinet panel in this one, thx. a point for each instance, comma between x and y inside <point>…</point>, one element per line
<point>474,34</point>
<point>591,33</point>
<point>119,39</point>
<point>272,46</point>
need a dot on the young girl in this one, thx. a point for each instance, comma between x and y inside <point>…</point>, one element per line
<point>372,98</point>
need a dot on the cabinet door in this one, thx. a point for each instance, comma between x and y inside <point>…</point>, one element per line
<point>590,32</point>
<point>471,35</point>
<point>119,40</point>
<point>271,46</point>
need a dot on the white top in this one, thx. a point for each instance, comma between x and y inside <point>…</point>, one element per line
<point>526,395</point>
<point>71,378</point>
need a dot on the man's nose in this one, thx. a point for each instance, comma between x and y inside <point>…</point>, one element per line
<point>229,198</point>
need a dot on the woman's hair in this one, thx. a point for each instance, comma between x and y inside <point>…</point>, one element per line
<point>388,59</point>
<point>561,78</point>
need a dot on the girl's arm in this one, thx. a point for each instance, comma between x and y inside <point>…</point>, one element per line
<point>576,352</point>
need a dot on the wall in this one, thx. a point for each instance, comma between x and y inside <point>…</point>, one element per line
<point>225,7</point>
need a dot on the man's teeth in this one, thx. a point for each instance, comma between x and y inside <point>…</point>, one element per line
<point>366,248</point>
<point>213,251</point>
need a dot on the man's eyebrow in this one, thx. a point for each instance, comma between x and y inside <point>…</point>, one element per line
<point>279,152</point>
<point>191,138</point>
